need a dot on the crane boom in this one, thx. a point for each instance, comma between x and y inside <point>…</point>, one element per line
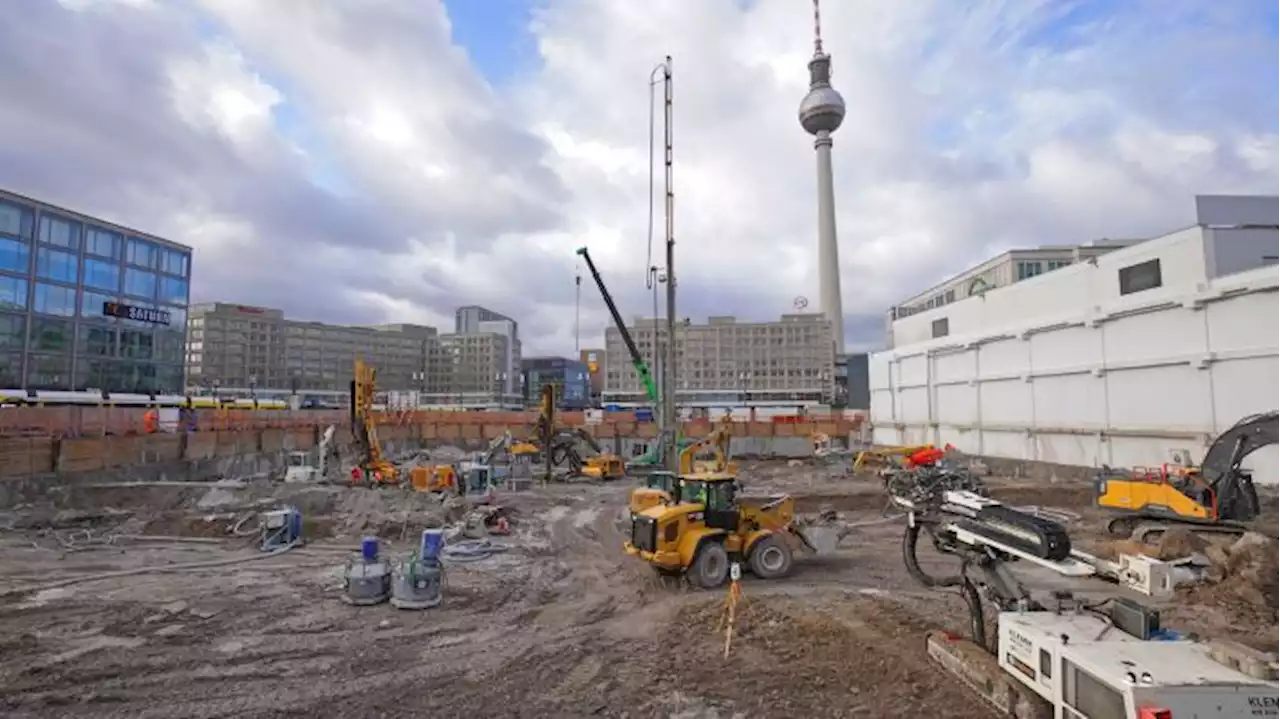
<point>642,369</point>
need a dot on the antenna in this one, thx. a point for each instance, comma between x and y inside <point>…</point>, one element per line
<point>817,29</point>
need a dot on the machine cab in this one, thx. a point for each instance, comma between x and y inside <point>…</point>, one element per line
<point>719,496</point>
<point>662,481</point>
<point>299,459</point>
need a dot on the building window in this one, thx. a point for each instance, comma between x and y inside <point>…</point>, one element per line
<point>91,304</point>
<point>103,243</point>
<point>13,293</point>
<point>56,265</point>
<point>51,336</point>
<point>13,333</point>
<point>176,263</point>
<point>950,296</point>
<point>1139,277</point>
<point>169,346</point>
<point>102,275</point>
<point>173,290</point>
<point>1029,269</point>
<point>941,328</point>
<point>139,283</point>
<point>55,300</point>
<point>49,372</point>
<point>97,341</point>
<point>141,253</point>
<point>15,220</point>
<point>15,256</point>
<point>1057,264</point>
<point>60,232</point>
<point>135,344</point>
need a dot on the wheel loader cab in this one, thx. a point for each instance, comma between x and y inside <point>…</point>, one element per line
<point>719,498</point>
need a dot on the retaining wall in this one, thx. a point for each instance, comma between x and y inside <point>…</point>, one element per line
<point>31,465</point>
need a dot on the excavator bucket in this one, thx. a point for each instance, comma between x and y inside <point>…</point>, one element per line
<point>977,669</point>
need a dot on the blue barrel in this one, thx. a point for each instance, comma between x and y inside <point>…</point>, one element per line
<point>369,548</point>
<point>295,524</point>
<point>432,543</point>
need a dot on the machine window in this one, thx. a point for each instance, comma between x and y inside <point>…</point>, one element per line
<point>693,492</point>
<point>1090,697</point>
<point>721,496</point>
<point>941,328</point>
<point>1046,664</point>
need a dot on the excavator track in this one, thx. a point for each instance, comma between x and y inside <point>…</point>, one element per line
<point>1151,532</point>
<point>974,666</point>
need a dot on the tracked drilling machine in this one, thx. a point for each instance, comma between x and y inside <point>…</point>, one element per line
<point>374,467</point>
<point>1067,659</point>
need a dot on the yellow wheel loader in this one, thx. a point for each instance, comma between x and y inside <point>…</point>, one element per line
<point>660,488</point>
<point>710,526</point>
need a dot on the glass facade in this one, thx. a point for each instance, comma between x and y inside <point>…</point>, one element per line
<point>570,378</point>
<point>57,270</point>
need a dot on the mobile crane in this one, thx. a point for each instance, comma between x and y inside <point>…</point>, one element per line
<point>1067,659</point>
<point>653,457</point>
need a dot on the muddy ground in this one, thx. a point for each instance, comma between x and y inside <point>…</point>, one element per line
<point>562,624</point>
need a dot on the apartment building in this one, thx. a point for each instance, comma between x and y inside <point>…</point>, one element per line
<point>246,348</point>
<point>475,369</point>
<point>1003,270</point>
<point>87,304</point>
<point>469,319</point>
<point>730,362</point>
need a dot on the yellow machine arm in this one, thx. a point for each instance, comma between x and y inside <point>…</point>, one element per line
<point>718,439</point>
<point>363,424</point>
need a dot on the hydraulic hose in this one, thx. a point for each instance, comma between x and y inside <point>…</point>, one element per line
<point>909,539</point>
<point>972,600</point>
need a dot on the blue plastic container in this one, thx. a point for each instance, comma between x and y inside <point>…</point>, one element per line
<point>432,543</point>
<point>295,524</point>
<point>369,548</point>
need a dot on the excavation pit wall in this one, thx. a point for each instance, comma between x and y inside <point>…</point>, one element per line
<point>31,466</point>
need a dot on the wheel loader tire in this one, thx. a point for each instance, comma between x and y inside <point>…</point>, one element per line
<point>770,558</point>
<point>710,568</point>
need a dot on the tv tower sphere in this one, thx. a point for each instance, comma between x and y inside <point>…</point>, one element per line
<point>822,110</point>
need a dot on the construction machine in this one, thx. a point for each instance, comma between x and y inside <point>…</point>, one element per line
<point>1068,659</point>
<point>654,457</point>
<point>718,441</point>
<point>660,487</point>
<point>886,457</point>
<point>560,445</point>
<point>710,526</point>
<point>1217,497</point>
<point>434,478</point>
<point>301,468</point>
<point>373,466</point>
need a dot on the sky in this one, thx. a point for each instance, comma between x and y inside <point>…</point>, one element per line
<point>368,161</point>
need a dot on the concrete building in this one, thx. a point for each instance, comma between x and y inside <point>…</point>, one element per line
<point>475,369</point>
<point>470,318</point>
<point>88,304</point>
<point>570,377</point>
<point>1000,271</point>
<point>725,362</point>
<point>1133,357</point>
<point>244,349</point>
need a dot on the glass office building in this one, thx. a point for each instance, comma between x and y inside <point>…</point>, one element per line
<point>569,377</point>
<point>88,305</point>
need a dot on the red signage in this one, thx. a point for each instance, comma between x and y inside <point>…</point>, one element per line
<point>250,310</point>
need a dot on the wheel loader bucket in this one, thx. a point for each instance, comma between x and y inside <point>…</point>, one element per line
<point>820,540</point>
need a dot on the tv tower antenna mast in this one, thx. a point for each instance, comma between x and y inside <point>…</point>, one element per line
<point>821,113</point>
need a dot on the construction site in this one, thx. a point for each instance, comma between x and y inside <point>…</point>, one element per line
<point>451,564</point>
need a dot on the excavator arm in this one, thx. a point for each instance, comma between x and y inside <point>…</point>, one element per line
<point>1236,498</point>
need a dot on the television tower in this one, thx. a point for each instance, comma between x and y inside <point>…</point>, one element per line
<point>821,113</point>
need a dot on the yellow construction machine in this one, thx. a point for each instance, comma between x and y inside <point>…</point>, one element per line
<point>559,445</point>
<point>374,467</point>
<point>661,487</point>
<point>711,526</point>
<point>883,457</point>
<point>1217,497</point>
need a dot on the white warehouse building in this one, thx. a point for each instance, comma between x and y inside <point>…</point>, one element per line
<point>1131,358</point>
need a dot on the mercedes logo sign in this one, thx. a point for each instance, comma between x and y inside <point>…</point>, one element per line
<point>800,303</point>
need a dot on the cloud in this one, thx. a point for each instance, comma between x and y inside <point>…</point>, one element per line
<point>346,161</point>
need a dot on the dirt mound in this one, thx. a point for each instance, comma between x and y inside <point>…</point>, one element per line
<point>1174,544</point>
<point>1247,572</point>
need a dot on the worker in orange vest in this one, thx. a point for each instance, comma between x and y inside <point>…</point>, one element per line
<point>151,421</point>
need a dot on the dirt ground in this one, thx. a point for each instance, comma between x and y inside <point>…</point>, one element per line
<point>562,624</point>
